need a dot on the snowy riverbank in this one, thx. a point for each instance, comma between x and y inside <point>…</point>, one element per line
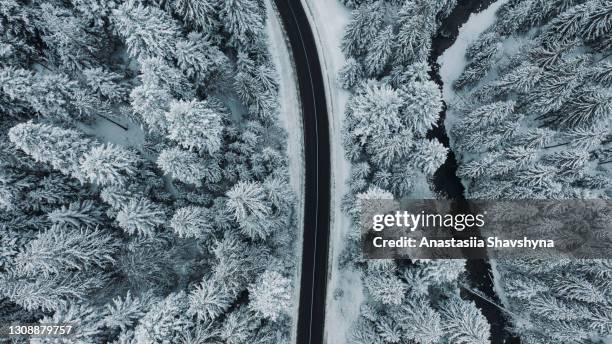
<point>452,63</point>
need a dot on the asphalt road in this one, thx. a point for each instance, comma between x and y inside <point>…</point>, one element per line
<point>311,318</point>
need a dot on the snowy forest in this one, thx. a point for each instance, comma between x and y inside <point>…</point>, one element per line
<point>145,186</point>
<point>529,118</point>
<point>143,175</point>
<point>532,121</point>
<point>393,105</point>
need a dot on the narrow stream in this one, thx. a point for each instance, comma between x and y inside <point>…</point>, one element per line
<point>447,183</point>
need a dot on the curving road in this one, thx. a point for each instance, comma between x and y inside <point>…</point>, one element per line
<point>311,318</point>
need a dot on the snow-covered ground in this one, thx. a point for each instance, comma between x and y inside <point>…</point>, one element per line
<point>344,289</point>
<point>107,131</point>
<point>497,287</point>
<point>290,116</point>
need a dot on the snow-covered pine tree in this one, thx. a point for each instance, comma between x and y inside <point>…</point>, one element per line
<point>270,295</point>
<point>147,30</point>
<point>87,318</point>
<point>479,66</point>
<point>386,151</point>
<point>588,108</point>
<point>399,180</point>
<point>420,322</point>
<point>204,14</point>
<point>151,103</point>
<point>124,312</point>
<point>48,293</point>
<point>428,155</point>
<point>105,83</point>
<point>536,176</point>
<point>159,73</point>
<point>109,164</point>
<point>362,30</point>
<point>351,73</point>
<point>422,106</point>
<point>416,23</point>
<point>182,165</point>
<point>61,148</point>
<point>385,287</point>
<point>243,20</point>
<point>363,332</point>
<point>374,111</point>
<point>59,250</point>
<point>195,125</point>
<point>208,300</point>
<point>521,79</point>
<point>69,39</point>
<point>165,322</point>
<point>380,52</point>
<point>586,138</point>
<point>77,214</point>
<point>568,161</point>
<point>141,216</point>
<point>248,203</point>
<point>389,330</point>
<point>192,222</point>
<point>199,59</point>
<point>463,323</point>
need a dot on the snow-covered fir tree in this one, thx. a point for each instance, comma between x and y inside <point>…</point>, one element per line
<point>116,154</point>
<point>533,122</point>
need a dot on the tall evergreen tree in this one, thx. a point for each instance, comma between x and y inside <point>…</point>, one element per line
<point>109,165</point>
<point>59,250</point>
<point>423,103</point>
<point>195,125</point>
<point>182,165</point>
<point>361,31</point>
<point>243,19</point>
<point>463,323</point>
<point>270,295</point>
<point>192,222</point>
<point>61,148</point>
<point>380,52</point>
<point>141,216</point>
<point>147,30</point>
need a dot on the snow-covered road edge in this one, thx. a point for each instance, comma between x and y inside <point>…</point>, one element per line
<point>290,115</point>
<point>327,19</point>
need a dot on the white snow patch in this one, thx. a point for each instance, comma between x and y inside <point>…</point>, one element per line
<point>108,131</point>
<point>453,61</point>
<point>328,19</point>
<point>290,116</point>
<point>422,188</point>
<point>497,284</point>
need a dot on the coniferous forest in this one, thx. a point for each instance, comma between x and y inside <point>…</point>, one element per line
<point>533,122</point>
<point>143,189</point>
<point>146,191</point>
<point>393,105</point>
<point>530,119</point>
